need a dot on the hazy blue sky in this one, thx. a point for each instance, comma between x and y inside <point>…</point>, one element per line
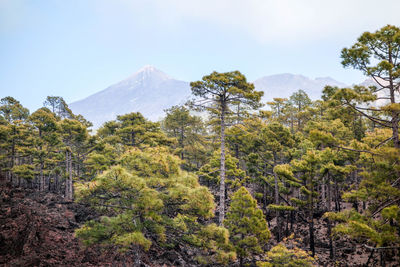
<point>75,48</point>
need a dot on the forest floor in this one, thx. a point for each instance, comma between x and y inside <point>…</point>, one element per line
<point>37,229</point>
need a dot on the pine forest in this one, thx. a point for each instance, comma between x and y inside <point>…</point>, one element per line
<point>222,180</point>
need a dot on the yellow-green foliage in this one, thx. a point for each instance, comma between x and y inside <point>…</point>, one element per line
<point>327,133</point>
<point>246,223</point>
<point>134,238</point>
<point>298,202</point>
<point>280,207</point>
<point>281,256</point>
<point>145,198</point>
<point>210,171</point>
<point>215,239</point>
<point>101,160</point>
<point>25,171</point>
<point>285,171</point>
<point>151,162</point>
<point>189,132</point>
<point>389,108</point>
<point>391,212</point>
<point>365,228</point>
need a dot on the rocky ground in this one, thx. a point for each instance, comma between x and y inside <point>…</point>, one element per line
<point>38,230</point>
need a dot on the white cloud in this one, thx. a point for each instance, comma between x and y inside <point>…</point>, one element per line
<point>265,21</point>
<point>285,20</point>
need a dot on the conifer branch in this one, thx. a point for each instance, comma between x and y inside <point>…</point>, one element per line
<point>357,150</point>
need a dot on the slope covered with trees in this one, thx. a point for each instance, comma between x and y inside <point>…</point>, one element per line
<point>298,183</point>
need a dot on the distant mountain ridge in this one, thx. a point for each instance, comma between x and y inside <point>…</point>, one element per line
<point>148,91</point>
<point>151,91</point>
<point>284,85</point>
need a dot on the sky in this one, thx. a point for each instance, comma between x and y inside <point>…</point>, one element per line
<point>76,48</point>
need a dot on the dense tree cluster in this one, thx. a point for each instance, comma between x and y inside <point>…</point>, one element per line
<point>223,177</point>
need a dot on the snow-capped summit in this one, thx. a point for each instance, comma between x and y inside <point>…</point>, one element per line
<point>150,72</point>
<point>148,91</point>
<point>147,75</point>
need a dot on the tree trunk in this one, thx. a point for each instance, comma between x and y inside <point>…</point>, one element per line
<point>323,194</point>
<point>66,174</point>
<point>264,196</point>
<point>41,177</point>
<point>395,113</point>
<point>222,170</point>
<point>68,181</point>
<point>70,197</point>
<point>12,157</point>
<point>383,263</point>
<point>291,220</point>
<point>55,187</point>
<point>329,232</point>
<point>291,123</point>
<point>311,221</point>
<point>182,136</point>
<point>338,196</point>
<point>278,221</point>
<point>311,231</point>
<point>395,126</point>
<point>276,192</point>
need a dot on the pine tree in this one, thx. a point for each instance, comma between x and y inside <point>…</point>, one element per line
<point>266,146</point>
<point>210,172</point>
<point>11,109</point>
<point>132,130</point>
<point>15,136</point>
<point>247,226</point>
<point>217,93</point>
<point>377,56</point>
<point>277,107</point>
<point>189,131</point>
<point>148,199</point>
<point>377,224</point>
<point>74,136</point>
<point>135,130</point>
<point>59,107</point>
<point>300,102</point>
<point>46,138</point>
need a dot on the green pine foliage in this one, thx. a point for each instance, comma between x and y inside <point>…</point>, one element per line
<point>189,131</point>
<point>287,254</point>
<point>210,172</point>
<point>246,223</point>
<point>148,200</point>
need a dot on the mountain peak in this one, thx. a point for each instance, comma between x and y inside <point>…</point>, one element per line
<point>148,74</point>
<point>148,71</point>
<point>148,68</point>
<point>149,91</point>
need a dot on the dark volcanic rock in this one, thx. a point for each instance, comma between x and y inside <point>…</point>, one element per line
<point>38,230</point>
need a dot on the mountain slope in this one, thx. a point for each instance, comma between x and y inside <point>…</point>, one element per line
<point>284,85</point>
<point>148,91</point>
